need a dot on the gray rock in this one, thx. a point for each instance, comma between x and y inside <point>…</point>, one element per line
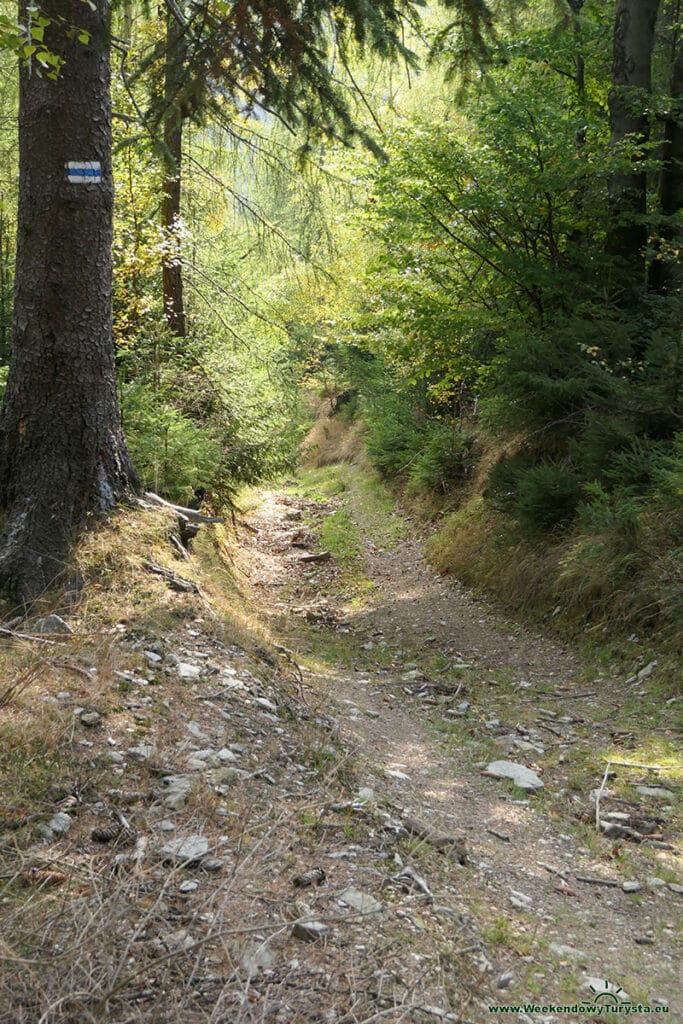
<point>566,952</point>
<point>594,986</point>
<point>257,958</point>
<point>152,657</point>
<point>310,931</point>
<point>44,832</point>
<point>225,776</point>
<point>60,823</point>
<point>523,777</point>
<point>213,864</point>
<point>195,730</point>
<point>185,849</point>
<point>647,671</point>
<point>362,902</point>
<point>505,980</point>
<point>142,752</point>
<point>188,887</point>
<point>90,718</point>
<point>655,883</point>
<point>114,757</point>
<point>51,624</point>
<point>678,889</point>
<point>189,673</point>
<point>167,826</point>
<point>658,792</point>
<point>365,795</point>
<point>631,887</point>
<point>264,703</point>
<point>176,790</point>
<point>227,756</point>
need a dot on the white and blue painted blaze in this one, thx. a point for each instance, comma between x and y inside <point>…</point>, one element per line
<point>84,172</point>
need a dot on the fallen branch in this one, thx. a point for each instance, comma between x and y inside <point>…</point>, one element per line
<point>174,581</point>
<point>439,840</point>
<point>189,513</point>
<point>599,881</point>
<point>26,636</point>
<point>499,835</point>
<point>599,793</point>
<point>321,556</point>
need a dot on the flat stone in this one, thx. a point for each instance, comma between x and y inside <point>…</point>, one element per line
<point>51,624</point>
<point>362,902</point>
<point>632,886</point>
<point>152,657</point>
<point>593,987</point>
<point>678,889</point>
<point>365,795</point>
<point>566,952</point>
<point>176,790</point>
<point>225,776</point>
<point>60,823</point>
<point>310,931</point>
<point>43,831</point>
<point>188,887</point>
<point>195,729</point>
<point>257,958</point>
<point>657,792</point>
<point>188,672</point>
<point>264,703</point>
<point>167,826</point>
<point>213,864</point>
<point>523,777</point>
<point>142,752</point>
<point>227,756</point>
<point>90,718</point>
<point>185,849</point>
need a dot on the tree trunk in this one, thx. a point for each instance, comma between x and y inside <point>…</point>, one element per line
<point>666,272</point>
<point>172,270</point>
<point>628,101</point>
<point>62,453</point>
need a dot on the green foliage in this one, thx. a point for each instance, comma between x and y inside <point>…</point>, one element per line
<point>445,459</point>
<point>173,455</point>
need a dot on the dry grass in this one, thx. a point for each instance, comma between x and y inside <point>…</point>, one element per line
<point>88,939</point>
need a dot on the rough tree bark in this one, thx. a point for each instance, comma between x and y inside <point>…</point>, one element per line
<point>634,28</point>
<point>62,453</point>
<point>172,270</point>
<point>666,274</point>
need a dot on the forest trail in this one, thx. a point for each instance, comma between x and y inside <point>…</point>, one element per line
<point>427,685</point>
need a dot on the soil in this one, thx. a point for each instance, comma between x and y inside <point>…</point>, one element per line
<point>541,897</point>
<point>316,729</point>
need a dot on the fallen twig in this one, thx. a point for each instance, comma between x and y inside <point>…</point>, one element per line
<point>499,835</point>
<point>598,881</point>
<point>189,513</point>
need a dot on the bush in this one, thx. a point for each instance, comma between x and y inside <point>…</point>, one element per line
<point>173,455</point>
<point>445,459</point>
<point>541,496</point>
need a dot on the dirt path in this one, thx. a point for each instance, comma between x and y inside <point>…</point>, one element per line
<point>427,686</point>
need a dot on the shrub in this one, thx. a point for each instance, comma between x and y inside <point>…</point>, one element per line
<point>445,459</point>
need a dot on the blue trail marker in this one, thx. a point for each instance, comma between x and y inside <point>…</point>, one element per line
<point>84,172</point>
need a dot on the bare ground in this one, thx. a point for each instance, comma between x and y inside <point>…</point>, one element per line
<point>333,772</point>
<point>421,728</point>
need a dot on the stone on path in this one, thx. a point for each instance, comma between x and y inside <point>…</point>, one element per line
<point>362,902</point>
<point>187,671</point>
<point>310,931</point>
<point>51,624</point>
<point>185,849</point>
<point>176,790</point>
<point>523,777</point>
